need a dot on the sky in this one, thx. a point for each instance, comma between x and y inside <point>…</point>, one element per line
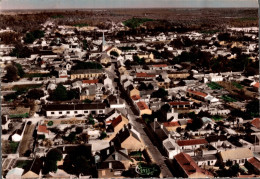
<point>62,4</point>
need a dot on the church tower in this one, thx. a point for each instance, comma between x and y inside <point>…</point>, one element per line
<point>103,43</point>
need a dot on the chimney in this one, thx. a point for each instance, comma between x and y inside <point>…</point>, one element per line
<point>108,152</point>
<point>161,126</point>
<point>110,165</point>
<point>155,119</point>
<point>111,143</point>
<point>169,136</point>
<point>172,110</point>
<point>117,100</point>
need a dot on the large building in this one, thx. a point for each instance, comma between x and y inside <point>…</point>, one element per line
<point>56,110</point>
<point>86,74</point>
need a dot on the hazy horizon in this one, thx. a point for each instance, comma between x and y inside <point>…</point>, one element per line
<point>124,4</point>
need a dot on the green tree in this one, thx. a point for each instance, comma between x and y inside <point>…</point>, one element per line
<point>114,53</point>
<point>60,93</point>
<point>11,73</point>
<point>160,93</point>
<point>20,70</point>
<point>50,166</point>
<point>78,161</point>
<point>54,154</point>
<point>252,108</point>
<point>35,94</point>
<point>29,38</point>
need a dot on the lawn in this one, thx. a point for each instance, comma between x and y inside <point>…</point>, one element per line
<point>9,147</point>
<point>217,118</point>
<point>237,85</point>
<point>23,163</point>
<point>228,98</point>
<point>214,86</point>
<point>81,25</point>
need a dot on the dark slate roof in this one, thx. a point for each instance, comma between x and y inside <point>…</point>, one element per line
<point>161,132</point>
<point>86,71</point>
<point>110,156</point>
<point>215,138</point>
<point>65,107</point>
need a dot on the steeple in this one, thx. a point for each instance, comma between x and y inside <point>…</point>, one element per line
<point>103,42</point>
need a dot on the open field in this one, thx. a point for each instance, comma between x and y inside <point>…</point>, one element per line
<point>201,19</point>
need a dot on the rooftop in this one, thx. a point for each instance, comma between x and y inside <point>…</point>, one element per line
<point>191,142</point>
<point>197,93</point>
<point>142,105</point>
<point>65,107</point>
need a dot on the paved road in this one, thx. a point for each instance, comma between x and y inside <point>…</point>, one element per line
<point>152,150</point>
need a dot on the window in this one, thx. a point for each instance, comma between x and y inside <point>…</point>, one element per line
<point>85,111</point>
<point>76,112</point>
<point>52,112</point>
<point>100,111</point>
<point>68,112</point>
<point>60,112</point>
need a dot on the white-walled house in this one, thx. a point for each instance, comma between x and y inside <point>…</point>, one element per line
<point>174,147</point>
<point>56,110</point>
<point>17,136</point>
<point>215,78</point>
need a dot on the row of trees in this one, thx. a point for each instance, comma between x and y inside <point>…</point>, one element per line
<point>30,37</point>
<point>62,94</point>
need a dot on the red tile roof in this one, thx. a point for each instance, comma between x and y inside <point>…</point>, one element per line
<point>160,65</point>
<point>135,97</point>
<point>142,105</point>
<point>109,122</point>
<point>256,85</point>
<point>109,48</point>
<point>256,122</point>
<point>191,142</point>
<point>90,81</point>
<point>116,121</point>
<point>188,165</point>
<point>171,124</point>
<point>189,121</point>
<point>63,76</point>
<point>197,93</point>
<point>144,75</point>
<point>43,129</point>
<point>249,176</point>
<point>175,103</point>
<point>253,161</point>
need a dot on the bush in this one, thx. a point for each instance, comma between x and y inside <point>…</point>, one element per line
<point>50,123</point>
<point>103,135</point>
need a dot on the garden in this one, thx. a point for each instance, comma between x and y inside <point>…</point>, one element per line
<point>214,86</point>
